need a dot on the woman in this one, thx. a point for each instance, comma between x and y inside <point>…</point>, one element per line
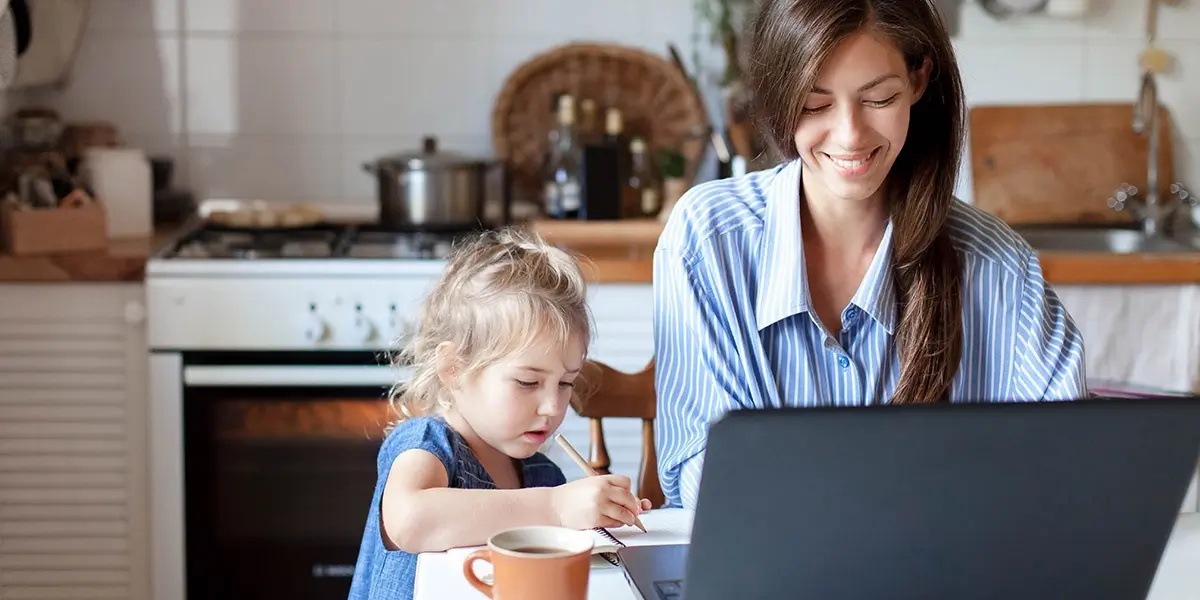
<point>849,275</point>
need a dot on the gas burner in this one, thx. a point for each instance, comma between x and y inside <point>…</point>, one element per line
<point>256,245</point>
<point>400,245</point>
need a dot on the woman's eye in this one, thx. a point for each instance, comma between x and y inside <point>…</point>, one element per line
<point>567,384</point>
<point>813,109</point>
<point>526,384</point>
<point>884,102</point>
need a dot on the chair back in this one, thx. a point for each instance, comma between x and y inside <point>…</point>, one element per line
<point>609,393</point>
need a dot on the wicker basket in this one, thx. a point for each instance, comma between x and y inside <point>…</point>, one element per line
<point>654,97</point>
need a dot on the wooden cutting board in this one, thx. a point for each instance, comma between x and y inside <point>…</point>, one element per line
<point>1041,164</point>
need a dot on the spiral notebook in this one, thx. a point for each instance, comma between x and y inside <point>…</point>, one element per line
<point>669,526</point>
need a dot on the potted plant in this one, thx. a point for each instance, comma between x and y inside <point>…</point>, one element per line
<point>672,166</point>
<point>727,23</point>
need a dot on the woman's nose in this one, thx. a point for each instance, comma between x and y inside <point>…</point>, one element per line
<point>848,128</point>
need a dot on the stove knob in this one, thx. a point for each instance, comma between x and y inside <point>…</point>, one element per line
<point>317,329</point>
<point>364,330</point>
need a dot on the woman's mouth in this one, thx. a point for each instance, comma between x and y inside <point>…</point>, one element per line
<point>852,165</point>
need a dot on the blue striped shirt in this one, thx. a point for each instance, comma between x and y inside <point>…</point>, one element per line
<point>733,326</point>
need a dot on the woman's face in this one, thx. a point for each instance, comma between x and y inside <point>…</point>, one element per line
<point>856,118</point>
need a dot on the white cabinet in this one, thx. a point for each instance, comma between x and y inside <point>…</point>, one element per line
<point>73,489</point>
<point>1141,334</point>
<point>624,339</point>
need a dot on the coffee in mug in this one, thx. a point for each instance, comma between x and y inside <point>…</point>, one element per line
<point>534,563</point>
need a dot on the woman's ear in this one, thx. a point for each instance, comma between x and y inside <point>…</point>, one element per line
<point>446,359</point>
<point>919,78</point>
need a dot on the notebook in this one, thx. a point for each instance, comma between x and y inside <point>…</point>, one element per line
<point>666,526</point>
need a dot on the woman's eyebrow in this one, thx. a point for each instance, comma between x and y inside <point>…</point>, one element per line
<point>864,87</point>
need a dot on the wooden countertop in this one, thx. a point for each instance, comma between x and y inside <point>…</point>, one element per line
<point>621,252</point>
<point>123,260</point>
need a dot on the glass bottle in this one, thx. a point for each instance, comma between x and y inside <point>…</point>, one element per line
<point>640,196</point>
<point>563,170</point>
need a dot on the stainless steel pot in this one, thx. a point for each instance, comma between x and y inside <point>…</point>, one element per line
<point>430,188</point>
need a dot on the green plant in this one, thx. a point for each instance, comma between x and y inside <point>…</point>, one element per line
<point>726,21</point>
<point>671,163</point>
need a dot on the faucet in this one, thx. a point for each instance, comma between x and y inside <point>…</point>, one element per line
<point>1154,215</point>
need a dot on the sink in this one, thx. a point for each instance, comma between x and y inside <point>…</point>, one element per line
<point>1111,240</point>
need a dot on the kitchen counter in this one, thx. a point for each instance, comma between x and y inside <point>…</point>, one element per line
<point>123,260</point>
<point>621,252</point>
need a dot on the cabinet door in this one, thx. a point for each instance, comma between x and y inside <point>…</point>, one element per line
<point>73,496</point>
<point>624,339</point>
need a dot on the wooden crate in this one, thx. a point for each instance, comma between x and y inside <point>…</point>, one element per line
<point>29,232</point>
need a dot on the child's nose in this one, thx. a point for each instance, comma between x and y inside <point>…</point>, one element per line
<point>548,405</point>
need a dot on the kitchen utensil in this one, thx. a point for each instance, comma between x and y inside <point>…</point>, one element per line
<point>655,99</point>
<point>1006,9</point>
<point>9,45</point>
<point>56,31</point>
<point>1042,164</point>
<point>121,179</point>
<point>1153,59</point>
<point>36,128</point>
<point>433,188</point>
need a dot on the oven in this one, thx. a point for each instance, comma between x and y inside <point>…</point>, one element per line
<point>269,374</point>
<point>279,452</point>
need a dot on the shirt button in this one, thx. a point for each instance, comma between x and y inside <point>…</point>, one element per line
<point>843,362</point>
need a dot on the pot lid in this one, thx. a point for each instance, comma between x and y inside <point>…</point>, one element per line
<point>428,157</point>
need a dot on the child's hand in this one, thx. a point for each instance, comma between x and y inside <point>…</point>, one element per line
<point>601,501</point>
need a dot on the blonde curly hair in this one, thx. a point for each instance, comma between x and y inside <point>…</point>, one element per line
<point>500,293</point>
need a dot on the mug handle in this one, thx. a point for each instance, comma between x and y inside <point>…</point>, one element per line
<point>469,570</point>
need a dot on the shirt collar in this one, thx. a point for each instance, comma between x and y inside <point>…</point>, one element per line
<point>782,287</point>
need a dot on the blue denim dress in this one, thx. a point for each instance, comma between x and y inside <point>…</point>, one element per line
<point>382,574</point>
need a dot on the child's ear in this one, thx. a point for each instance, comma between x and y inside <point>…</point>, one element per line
<point>446,359</point>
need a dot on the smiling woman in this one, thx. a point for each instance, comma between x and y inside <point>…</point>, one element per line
<point>849,275</point>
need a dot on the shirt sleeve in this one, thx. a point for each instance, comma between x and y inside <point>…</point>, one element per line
<point>1050,362</point>
<point>696,375</point>
<point>422,433</point>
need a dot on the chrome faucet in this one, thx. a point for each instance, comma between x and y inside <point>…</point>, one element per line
<point>1154,215</point>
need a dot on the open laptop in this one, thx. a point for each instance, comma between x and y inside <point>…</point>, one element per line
<point>1014,501</point>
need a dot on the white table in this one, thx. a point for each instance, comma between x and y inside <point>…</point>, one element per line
<point>439,576</point>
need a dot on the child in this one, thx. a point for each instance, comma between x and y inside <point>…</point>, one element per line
<point>500,343</point>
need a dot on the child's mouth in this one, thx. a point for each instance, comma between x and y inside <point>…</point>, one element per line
<point>537,436</point>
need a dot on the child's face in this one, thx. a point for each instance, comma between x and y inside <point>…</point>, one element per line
<point>517,403</point>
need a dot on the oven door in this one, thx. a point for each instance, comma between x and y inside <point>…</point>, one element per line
<point>279,470</point>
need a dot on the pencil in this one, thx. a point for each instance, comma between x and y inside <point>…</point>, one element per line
<point>562,441</point>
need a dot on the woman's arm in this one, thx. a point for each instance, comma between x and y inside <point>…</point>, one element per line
<point>1050,361</point>
<point>421,514</point>
<point>697,374</point>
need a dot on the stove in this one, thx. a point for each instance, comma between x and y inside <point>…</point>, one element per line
<point>268,379</point>
<point>320,242</point>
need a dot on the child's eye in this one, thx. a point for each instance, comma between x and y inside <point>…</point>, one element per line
<point>569,384</point>
<point>527,384</point>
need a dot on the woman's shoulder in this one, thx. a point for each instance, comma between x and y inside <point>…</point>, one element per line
<point>981,237</point>
<point>712,208</point>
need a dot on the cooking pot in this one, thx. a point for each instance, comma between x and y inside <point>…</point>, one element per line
<point>431,188</point>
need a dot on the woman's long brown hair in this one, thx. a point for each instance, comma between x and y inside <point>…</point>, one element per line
<point>791,40</point>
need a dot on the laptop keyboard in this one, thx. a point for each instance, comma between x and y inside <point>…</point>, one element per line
<point>669,589</point>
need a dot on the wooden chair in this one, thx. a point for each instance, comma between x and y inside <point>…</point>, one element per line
<point>608,392</point>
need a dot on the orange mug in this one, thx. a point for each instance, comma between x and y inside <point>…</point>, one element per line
<point>534,563</point>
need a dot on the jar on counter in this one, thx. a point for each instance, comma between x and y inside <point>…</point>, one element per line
<point>121,179</point>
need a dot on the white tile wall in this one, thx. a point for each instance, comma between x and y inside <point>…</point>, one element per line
<point>286,98</point>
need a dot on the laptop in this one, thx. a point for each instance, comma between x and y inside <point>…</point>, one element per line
<point>1014,501</point>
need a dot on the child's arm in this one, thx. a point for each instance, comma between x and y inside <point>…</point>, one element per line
<point>421,514</point>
